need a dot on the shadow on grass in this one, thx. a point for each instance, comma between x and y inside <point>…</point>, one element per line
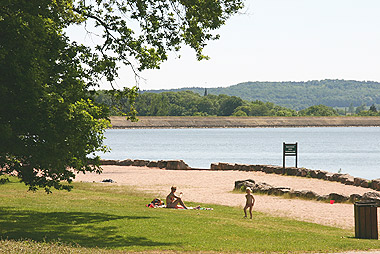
<point>70,227</point>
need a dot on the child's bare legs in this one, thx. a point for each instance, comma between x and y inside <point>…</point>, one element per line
<point>250,211</point>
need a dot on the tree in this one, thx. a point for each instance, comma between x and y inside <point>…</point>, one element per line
<point>49,121</point>
<point>318,110</point>
<point>373,108</point>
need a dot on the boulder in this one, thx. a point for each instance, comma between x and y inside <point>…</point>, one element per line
<point>256,167</point>
<point>355,197</point>
<point>215,166</point>
<point>322,174</point>
<point>268,169</point>
<point>140,163</point>
<point>227,166</point>
<point>375,184</point>
<point>322,197</point>
<point>291,171</point>
<point>177,165</point>
<point>348,180</point>
<point>329,176</point>
<point>338,197</point>
<point>371,197</point>
<point>246,183</point>
<point>304,172</point>
<point>314,173</point>
<point>264,188</point>
<point>309,194</point>
<point>245,167</point>
<point>279,191</point>
<point>127,162</point>
<point>109,162</point>
<point>361,181</point>
<point>162,164</point>
<point>278,170</point>
<point>152,164</point>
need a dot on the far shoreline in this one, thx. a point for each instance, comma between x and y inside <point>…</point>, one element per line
<point>194,122</point>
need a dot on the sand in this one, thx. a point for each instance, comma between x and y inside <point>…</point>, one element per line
<point>215,187</point>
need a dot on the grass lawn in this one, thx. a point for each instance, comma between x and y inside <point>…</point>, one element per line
<point>106,218</point>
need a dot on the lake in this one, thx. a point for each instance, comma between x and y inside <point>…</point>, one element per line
<point>352,150</point>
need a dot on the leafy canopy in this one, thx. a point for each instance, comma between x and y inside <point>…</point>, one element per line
<point>50,126</point>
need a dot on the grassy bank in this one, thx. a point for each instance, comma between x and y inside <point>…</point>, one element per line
<point>105,217</point>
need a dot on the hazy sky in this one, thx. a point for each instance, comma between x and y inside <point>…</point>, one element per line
<point>280,40</point>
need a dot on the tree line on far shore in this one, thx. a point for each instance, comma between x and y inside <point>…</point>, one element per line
<point>188,103</point>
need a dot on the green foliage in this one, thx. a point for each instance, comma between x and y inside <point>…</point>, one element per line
<point>49,121</point>
<point>114,218</point>
<point>318,110</point>
<point>187,103</point>
<point>300,95</point>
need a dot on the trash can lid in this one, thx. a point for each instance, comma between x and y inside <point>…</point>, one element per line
<point>366,203</point>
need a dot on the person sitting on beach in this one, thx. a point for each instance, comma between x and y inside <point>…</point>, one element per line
<point>250,201</point>
<point>172,200</point>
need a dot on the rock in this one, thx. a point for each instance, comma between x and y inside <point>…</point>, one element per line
<point>278,170</point>
<point>140,163</point>
<point>304,172</point>
<point>345,177</point>
<point>256,167</point>
<point>336,177</point>
<point>226,166</point>
<point>162,164</point>
<point>127,162</point>
<point>279,191</point>
<point>322,174</point>
<point>338,197</point>
<point>348,180</point>
<point>314,173</point>
<point>267,169</point>
<point>329,176</point>
<point>264,187</point>
<point>360,182</point>
<point>310,194</point>
<point>375,184</point>
<point>355,197</point>
<point>177,165</point>
<point>371,196</point>
<point>152,164</point>
<point>246,183</point>
<point>109,162</point>
<point>322,197</point>
<point>245,167</point>
<point>291,171</point>
<point>295,193</point>
<point>214,166</point>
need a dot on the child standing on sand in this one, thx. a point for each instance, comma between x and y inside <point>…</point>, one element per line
<point>250,201</point>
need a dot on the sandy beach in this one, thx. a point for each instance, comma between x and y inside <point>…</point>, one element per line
<point>215,187</point>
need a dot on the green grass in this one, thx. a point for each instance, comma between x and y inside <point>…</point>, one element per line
<point>99,217</point>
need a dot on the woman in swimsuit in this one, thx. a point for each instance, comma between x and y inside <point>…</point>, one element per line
<point>172,200</point>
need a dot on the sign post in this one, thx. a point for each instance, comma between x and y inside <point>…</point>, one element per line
<point>289,150</point>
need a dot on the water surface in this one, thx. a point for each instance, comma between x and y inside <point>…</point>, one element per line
<point>353,150</point>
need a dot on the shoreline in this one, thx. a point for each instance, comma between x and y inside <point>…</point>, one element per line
<point>212,122</point>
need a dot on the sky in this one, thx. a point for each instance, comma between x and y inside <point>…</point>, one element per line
<point>277,40</point>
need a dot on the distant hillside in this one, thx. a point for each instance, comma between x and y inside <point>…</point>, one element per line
<point>300,95</point>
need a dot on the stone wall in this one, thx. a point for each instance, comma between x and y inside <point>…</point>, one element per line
<point>170,164</point>
<point>258,187</point>
<point>301,172</point>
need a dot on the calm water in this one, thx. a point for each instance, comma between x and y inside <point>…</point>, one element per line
<point>353,150</point>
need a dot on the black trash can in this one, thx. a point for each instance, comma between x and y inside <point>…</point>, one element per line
<point>366,220</point>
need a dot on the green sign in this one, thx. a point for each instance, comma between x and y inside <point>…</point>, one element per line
<point>290,148</point>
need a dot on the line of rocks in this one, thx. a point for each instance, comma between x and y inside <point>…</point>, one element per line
<point>169,164</point>
<point>269,169</point>
<point>302,172</point>
<point>260,187</point>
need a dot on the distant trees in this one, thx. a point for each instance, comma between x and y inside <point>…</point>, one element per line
<point>300,95</point>
<point>187,103</point>
<point>318,110</point>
